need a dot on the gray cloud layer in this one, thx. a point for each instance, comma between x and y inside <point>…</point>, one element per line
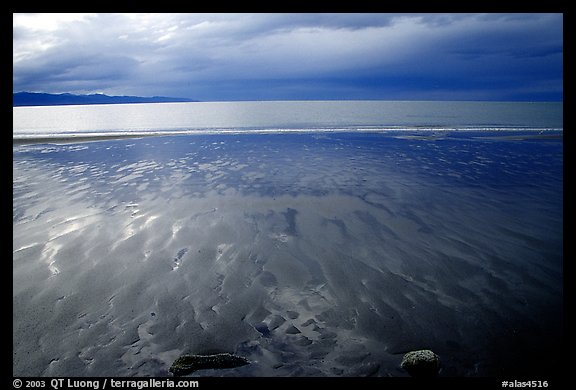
<point>292,56</point>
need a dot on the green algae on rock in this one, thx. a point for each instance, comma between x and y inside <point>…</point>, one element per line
<point>422,363</point>
<point>187,364</point>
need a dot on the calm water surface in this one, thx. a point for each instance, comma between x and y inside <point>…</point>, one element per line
<point>278,115</point>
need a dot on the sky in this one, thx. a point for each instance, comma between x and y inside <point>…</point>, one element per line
<point>220,57</point>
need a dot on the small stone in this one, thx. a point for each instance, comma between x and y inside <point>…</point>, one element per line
<point>422,363</point>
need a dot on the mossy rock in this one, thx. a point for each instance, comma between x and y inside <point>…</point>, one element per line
<point>187,364</point>
<point>422,363</point>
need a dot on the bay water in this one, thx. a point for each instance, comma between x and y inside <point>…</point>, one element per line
<point>277,116</point>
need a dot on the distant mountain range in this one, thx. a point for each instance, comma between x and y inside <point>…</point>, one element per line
<point>48,99</point>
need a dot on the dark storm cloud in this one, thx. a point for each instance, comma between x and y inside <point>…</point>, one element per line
<point>293,56</point>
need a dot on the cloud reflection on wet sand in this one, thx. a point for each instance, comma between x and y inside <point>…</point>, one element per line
<point>309,255</point>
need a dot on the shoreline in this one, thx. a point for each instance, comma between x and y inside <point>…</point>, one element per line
<point>543,133</point>
<point>74,139</point>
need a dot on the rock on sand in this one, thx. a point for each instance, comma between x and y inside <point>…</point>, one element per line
<point>422,363</point>
<point>187,364</point>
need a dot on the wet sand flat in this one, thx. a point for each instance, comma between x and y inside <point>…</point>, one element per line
<point>307,254</point>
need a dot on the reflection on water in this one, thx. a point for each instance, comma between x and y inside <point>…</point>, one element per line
<point>308,254</point>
